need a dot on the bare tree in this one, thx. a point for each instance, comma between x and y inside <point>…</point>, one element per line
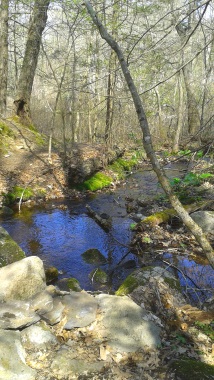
<point>26,78</point>
<point>147,139</point>
<point>4,6</point>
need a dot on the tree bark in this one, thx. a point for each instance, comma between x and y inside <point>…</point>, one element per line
<point>28,69</point>
<point>4,6</point>
<point>147,140</point>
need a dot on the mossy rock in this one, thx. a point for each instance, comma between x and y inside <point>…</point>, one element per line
<point>188,369</point>
<point>128,285</point>
<point>74,284</point>
<point>93,256</point>
<point>51,274</point>
<point>9,249</point>
<point>16,193</point>
<point>173,283</point>
<point>97,182</point>
<point>98,275</point>
<point>6,211</point>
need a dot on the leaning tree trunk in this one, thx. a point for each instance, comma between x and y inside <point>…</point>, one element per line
<point>147,140</point>
<point>4,6</point>
<point>28,69</point>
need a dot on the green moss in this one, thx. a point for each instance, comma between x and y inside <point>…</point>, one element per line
<point>93,256</point>
<point>5,130</point>
<point>173,283</point>
<point>96,182</point>
<point>127,286</point>
<point>74,284</point>
<point>122,166</point>
<point>9,249</point>
<point>16,193</point>
<point>51,274</point>
<point>206,329</point>
<point>189,369</point>
<point>99,275</point>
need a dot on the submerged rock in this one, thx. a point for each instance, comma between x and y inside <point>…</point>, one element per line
<point>93,256</point>
<point>98,275</point>
<point>51,274</point>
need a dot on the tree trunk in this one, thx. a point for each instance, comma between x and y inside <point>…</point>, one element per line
<point>3,54</point>
<point>147,140</point>
<point>180,115</point>
<point>26,78</point>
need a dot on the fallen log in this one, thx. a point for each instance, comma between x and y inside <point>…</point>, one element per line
<point>165,215</point>
<point>105,223</point>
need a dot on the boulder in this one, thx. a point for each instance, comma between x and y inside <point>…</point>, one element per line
<point>37,336</point>
<point>9,249</point>
<point>205,219</point>
<point>22,279</point>
<point>126,326</point>
<point>16,314</point>
<point>12,358</point>
<point>81,309</point>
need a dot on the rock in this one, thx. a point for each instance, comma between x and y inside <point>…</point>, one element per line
<point>73,284</point>
<point>12,358</point>
<point>125,325</point>
<point>42,302</point>
<point>4,210</point>
<point>55,315</point>
<point>84,160</point>
<point>9,249</point>
<point>16,314</point>
<point>51,274</point>
<point>37,337</point>
<point>93,256</point>
<point>22,279</point>
<point>81,309</point>
<point>205,219</point>
<point>98,275</point>
<point>66,363</point>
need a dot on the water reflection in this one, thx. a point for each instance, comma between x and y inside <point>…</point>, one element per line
<point>60,237</point>
<point>197,280</point>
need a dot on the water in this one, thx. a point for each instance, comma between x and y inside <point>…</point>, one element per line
<point>60,236</point>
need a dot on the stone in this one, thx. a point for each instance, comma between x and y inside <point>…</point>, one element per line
<point>98,275</point>
<point>42,302</point>
<point>93,256</point>
<point>125,325</point>
<point>12,358</point>
<point>16,314</point>
<point>51,274</point>
<point>205,219</point>
<point>81,309</point>
<point>36,336</point>
<point>22,279</point>
<point>9,249</point>
<point>55,315</point>
<point>66,363</point>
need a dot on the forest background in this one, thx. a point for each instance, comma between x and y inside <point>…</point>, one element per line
<point>71,84</point>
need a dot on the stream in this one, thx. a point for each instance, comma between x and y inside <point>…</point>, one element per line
<point>60,232</point>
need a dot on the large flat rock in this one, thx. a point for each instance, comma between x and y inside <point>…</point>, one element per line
<point>81,309</point>
<point>126,326</point>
